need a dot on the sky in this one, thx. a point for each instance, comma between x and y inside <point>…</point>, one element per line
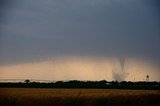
<point>79,39</point>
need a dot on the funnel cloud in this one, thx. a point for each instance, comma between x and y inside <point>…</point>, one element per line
<point>119,73</point>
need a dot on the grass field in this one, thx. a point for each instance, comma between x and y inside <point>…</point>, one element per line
<point>77,97</point>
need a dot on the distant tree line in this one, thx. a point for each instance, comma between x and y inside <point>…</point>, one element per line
<point>86,84</point>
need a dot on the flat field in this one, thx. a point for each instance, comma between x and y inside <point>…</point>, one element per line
<point>78,97</point>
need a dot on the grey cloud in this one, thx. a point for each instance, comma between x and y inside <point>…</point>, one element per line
<point>36,30</point>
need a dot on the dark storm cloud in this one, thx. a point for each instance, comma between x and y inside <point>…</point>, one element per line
<point>40,29</point>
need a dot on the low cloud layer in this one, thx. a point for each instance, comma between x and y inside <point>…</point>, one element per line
<point>32,31</point>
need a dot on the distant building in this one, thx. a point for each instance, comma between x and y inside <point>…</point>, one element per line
<point>147,78</point>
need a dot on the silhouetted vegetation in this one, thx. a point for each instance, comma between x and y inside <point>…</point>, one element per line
<point>86,84</point>
<point>27,81</point>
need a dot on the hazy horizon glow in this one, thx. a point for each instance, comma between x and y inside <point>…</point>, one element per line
<point>81,68</point>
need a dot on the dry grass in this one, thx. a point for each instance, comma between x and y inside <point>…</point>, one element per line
<point>77,97</point>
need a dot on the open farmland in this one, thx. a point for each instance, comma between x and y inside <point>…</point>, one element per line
<point>77,97</point>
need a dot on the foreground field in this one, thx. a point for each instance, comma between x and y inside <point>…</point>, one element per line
<point>77,97</point>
